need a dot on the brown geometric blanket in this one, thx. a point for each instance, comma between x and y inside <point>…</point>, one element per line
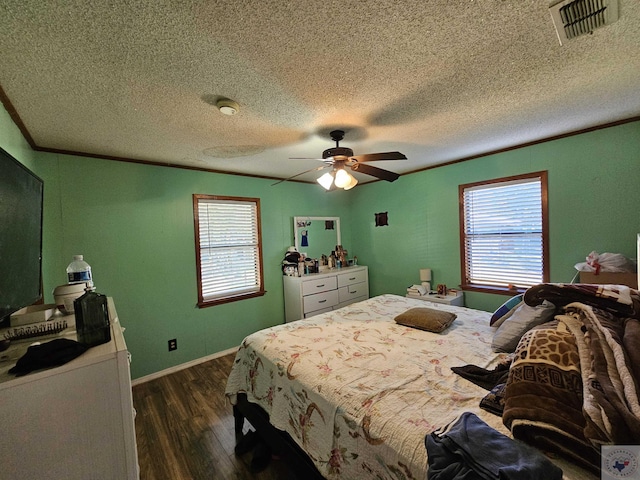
<point>575,382</point>
<point>543,397</point>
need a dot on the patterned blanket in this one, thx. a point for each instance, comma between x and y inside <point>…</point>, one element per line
<point>617,299</point>
<point>358,392</point>
<point>574,383</point>
<point>543,396</point>
<point>609,348</point>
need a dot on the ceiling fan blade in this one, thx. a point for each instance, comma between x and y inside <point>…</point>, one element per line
<point>327,161</point>
<point>375,172</point>
<point>298,174</point>
<point>372,157</point>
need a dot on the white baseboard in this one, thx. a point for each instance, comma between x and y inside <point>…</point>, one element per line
<point>182,366</point>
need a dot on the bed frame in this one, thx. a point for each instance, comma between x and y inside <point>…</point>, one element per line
<point>281,442</point>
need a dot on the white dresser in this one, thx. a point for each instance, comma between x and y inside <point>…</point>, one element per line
<point>321,292</point>
<point>70,422</point>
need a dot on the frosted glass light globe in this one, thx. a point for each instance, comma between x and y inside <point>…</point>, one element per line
<point>326,180</point>
<point>342,178</point>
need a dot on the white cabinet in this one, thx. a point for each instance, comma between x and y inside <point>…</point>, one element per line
<point>321,292</point>
<point>71,422</point>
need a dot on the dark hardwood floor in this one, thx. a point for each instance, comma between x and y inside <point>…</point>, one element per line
<point>184,428</point>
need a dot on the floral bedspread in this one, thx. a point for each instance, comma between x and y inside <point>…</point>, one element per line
<point>359,392</point>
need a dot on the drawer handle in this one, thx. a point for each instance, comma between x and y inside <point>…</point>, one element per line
<point>352,278</point>
<point>355,291</point>
<point>320,286</point>
<point>322,301</point>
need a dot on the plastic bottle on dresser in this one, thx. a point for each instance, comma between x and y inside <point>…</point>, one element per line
<point>79,271</point>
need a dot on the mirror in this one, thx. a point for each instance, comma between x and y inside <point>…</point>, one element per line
<point>315,236</point>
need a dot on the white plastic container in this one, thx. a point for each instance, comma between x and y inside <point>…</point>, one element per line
<point>64,295</point>
<point>79,271</point>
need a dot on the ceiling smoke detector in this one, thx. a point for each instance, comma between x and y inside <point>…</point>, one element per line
<point>573,18</point>
<point>227,107</point>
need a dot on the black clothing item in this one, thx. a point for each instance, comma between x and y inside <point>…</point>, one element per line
<point>50,354</point>
<point>482,377</point>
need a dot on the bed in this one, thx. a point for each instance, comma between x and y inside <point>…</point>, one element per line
<point>358,393</point>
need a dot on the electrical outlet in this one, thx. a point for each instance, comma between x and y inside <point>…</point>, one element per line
<point>173,344</point>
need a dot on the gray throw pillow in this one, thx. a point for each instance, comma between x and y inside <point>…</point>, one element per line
<point>520,322</point>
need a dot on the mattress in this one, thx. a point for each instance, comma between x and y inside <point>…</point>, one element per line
<point>359,393</point>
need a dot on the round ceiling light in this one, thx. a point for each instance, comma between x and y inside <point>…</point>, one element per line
<point>227,107</point>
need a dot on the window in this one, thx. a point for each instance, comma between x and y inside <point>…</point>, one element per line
<point>504,233</point>
<point>228,248</point>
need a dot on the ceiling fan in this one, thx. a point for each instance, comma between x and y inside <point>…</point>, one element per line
<point>341,157</point>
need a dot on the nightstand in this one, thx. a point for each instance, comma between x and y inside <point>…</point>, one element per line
<point>456,298</point>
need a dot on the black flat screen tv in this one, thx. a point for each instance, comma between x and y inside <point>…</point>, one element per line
<point>21,206</point>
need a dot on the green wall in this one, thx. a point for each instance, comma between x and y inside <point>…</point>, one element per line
<point>594,204</point>
<point>134,224</point>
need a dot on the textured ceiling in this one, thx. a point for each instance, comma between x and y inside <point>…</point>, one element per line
<point>437,80</point>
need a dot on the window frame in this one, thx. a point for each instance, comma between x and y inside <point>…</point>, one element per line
<point>202,302</point>
<point>544,198</point>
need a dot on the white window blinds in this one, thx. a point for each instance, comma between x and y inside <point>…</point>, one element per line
<point>503,233</point>
<point>228,233</point>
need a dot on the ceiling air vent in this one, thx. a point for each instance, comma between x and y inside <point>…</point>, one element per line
<point>573,18</point>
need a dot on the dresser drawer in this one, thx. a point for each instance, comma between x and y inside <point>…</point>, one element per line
<point>349,278</point>
<point>320,301</point>
<point>317,285</point>
<point>350,292</point>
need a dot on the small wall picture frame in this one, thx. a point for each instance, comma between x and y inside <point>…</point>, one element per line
<point>382,219</point>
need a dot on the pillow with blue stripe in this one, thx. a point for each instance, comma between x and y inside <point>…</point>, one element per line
<point>505,310</point>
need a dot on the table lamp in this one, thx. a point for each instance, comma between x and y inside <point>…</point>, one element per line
<point>425,278</point>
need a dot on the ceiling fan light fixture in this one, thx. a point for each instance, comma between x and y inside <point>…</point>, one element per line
<point>339,158</point>
<point>342,178</point>
<point>326,180</point>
